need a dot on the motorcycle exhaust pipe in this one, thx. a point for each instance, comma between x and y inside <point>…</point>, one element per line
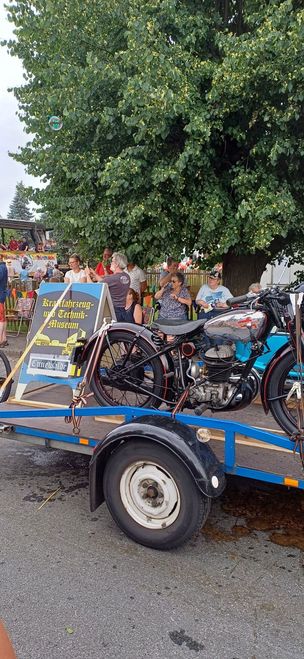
<point>188,349</point>
<point>198,411</point>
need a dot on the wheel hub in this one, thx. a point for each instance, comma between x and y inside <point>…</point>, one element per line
<point>152,492</point>
<point>150,495</point>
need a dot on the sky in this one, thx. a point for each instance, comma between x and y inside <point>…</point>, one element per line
<point>11,129</point>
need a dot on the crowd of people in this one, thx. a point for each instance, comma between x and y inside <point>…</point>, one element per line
<point>50,272</point>
<point>126,281</point>
<point>15,244</point>
<point>127,284</point>
<point>22,245</point>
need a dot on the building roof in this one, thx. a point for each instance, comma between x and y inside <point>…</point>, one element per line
<point>20,224</point>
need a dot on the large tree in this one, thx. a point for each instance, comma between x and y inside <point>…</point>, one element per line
<point>19,208</point>
<point>182,124</point>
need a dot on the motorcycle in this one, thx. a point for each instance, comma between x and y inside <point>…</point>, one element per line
<point>195,364</point>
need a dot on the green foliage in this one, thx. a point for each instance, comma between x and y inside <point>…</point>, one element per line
<point>19,209</point>
<point>182,122</point>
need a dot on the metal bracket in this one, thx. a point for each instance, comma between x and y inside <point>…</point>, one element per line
<point>295,389</point>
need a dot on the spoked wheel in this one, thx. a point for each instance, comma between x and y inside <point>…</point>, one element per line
<point>5,369</point>
<point>285,390</point>
<point>120,377</point>
<point>152,496</point>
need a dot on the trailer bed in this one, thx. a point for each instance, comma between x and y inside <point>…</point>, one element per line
<point>244,450</point>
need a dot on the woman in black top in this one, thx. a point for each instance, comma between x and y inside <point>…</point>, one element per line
<point>132,312</point>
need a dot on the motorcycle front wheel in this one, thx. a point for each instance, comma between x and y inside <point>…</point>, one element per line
<point>285,389</point>
<point>127,373</point>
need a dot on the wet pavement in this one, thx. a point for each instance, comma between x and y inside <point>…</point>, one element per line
<point>73,586</point>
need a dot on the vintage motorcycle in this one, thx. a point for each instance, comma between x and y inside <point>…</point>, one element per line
<point>196,364</point>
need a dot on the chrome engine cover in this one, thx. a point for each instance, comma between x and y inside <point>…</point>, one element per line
<point>215,394</point>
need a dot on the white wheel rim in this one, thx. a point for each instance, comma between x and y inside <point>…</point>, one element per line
<point>150,495</point>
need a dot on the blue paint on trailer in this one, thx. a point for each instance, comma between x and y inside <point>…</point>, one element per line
<point>230,429</point>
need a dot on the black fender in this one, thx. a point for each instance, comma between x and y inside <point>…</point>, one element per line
<point>281,352</point>
<point>138,331</point>
<point>177,437</point>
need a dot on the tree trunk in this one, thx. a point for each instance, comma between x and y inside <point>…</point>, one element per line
<point>241,270</point>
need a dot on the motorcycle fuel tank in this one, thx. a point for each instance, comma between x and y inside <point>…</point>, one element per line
<point>237,325</point>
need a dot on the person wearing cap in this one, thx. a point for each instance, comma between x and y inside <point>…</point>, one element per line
<point>212,296</point>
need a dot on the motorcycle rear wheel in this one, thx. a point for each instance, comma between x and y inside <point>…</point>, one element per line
<point>140,385</point>
<point>285,381</point>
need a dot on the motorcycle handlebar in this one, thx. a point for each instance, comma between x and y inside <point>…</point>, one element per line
<point>272,293</point>
<point>238,300</point>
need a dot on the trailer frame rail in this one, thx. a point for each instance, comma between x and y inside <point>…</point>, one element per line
<point>82,444</point>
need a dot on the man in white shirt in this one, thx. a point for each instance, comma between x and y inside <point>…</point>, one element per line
<point>138,279</point>
<point>212,296</point>
<point>76,275</point>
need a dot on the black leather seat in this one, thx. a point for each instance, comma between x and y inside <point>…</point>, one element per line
<point>177,327</point>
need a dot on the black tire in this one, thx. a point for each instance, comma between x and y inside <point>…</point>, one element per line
<point>127,391</point>
<point>284,412</point>
<point>5,369</point>
<point>137,466</point>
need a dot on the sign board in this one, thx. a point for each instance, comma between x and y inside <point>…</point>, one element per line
<point>31,261</point>
<point>79,315</point>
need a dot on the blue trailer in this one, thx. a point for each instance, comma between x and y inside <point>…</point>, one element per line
<point>156,472</point>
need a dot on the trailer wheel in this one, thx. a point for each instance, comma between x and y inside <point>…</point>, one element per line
<point>152,496</point>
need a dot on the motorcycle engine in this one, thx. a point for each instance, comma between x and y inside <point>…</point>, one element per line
<point>213,384</point>
<point>219,361</point>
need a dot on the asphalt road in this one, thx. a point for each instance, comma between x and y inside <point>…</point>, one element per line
<point>72,586</point>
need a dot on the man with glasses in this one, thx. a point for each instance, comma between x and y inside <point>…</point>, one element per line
<point>118,282</point>
<point>76,275</point>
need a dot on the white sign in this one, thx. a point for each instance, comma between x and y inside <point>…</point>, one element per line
<point>53,365</point>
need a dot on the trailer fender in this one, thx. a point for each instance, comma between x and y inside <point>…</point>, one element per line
<point>177,437</point>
